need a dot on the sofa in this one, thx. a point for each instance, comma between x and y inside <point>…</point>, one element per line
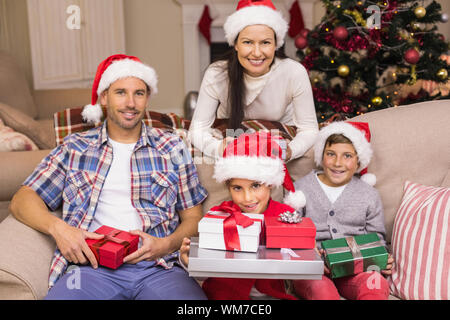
<point>409,142</point>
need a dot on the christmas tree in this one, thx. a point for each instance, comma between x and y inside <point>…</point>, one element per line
<point>364,54</point>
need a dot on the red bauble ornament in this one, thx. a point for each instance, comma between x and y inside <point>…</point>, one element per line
<point>411,56</point>
<point>301,42</point>
<point>304,33</point>
<point>340,33</point>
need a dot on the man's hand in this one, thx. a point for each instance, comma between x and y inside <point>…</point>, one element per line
<point>152,248</point>
<point>71,242</point>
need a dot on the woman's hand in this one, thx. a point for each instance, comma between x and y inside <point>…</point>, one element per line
<point>388,270</point>
<point>288,154</point>
<point>184,251</point>
<point>225,142</point>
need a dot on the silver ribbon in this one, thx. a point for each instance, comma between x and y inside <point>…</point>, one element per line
<point>354,248</point>
<point>290,217</point>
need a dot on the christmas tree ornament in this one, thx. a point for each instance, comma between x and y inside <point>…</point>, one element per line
<point>301,42</point>
<point>416,26</point>
<point>343,70</point>
<point>442,74</point>
<point>377,100</point>
<point>340,33</point>
<point>304,33</point>
<point>444,17</point>
<point>420,12</point>
<point>411,56</point>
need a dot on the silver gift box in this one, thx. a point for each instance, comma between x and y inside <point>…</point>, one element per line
<point>263,264</point>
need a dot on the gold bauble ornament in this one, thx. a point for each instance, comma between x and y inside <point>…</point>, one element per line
<point>377,100</point>
<point>420,12</point>
<point>343,70</point>
<point>442,74</point>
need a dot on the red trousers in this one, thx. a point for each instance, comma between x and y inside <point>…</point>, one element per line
<point>362,286</point>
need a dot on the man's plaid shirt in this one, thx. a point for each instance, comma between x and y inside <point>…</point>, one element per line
<point>164,180</point>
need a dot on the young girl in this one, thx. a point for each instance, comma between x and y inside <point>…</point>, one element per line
<point>255,81</point>
<point>250,167</point>
<point>341,205</point>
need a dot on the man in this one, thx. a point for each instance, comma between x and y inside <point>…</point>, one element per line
<point>122,174</point>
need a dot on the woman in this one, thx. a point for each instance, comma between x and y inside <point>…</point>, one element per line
<point>256,81</point>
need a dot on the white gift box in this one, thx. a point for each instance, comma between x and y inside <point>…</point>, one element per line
<point>264,264</point>
<point>211,232</point>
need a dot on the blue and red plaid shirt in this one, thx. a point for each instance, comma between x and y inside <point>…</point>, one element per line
<point>164,180</point>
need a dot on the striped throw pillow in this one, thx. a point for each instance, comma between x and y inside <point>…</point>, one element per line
<point>421,244</point>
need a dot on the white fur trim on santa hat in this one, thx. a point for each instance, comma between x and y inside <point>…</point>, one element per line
<point>92,113</point>
<point>263,169</point>
<point>255,15</point>
<point>295,199</point>
<point>369,178</point>
<point>360,143</point>
<point>128,68</point>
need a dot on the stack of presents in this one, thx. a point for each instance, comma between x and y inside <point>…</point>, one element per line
<point>241,245</point>
<point>244,245</point>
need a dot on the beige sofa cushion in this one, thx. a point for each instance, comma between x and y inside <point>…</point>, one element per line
<point>14,89</point>
<point>20,165</point>
<point>24,275</point>
<point>410,143</point>
<point>41,132</point>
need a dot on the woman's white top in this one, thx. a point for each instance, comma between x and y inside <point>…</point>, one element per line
<point>283,94</point>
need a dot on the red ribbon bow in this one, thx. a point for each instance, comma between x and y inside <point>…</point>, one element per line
<point>230,223</point>
<point>109,237</point>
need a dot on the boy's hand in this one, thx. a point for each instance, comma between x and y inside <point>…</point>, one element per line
<point>388,270</point>
<point>321,253</point>
<point>184,251</point>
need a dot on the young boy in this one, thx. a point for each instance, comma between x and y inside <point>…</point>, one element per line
<point>341,205</point>
<point>251,165</point>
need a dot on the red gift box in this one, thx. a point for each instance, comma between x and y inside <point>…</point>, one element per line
<point>115,246</point>
<point>280,234</point>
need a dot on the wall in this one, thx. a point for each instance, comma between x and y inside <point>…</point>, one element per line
<point>153,32</point>
<point>14,36</point>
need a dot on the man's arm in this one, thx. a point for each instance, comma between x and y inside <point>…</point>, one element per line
<point>153,247</point>
<point>30,209</point>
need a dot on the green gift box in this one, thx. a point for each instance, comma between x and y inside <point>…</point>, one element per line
<point>352,255</point>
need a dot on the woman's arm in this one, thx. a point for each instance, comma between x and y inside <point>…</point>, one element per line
<point>305,118</point>
<point>204,115</point>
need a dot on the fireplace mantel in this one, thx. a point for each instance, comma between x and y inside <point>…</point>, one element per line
<point>196,49</point>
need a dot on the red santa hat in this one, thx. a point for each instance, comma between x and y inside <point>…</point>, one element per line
<point>251,12</point>
<point>113,68</point>
<point>359,134</point>
<point>258,156</point>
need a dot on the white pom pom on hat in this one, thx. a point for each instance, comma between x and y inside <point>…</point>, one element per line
<point>113,68</point>
<point>359,134</point>
<point>251,12</point>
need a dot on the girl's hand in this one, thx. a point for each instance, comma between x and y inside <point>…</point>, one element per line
<point>388,270</point>
<point>184,251</point>
<point>321,253</point>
